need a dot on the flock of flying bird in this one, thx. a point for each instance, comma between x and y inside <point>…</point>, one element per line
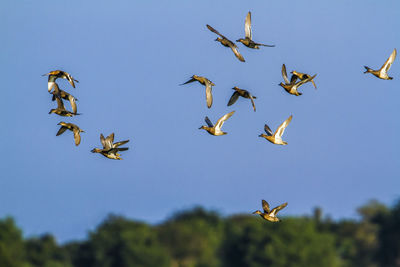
<point>111,149</point>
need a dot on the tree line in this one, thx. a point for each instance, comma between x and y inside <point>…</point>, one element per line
<point>202,238</point>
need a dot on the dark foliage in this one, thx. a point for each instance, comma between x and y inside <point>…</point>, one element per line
<point>200,238</point>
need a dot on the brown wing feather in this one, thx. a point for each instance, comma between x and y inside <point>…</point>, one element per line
<point>284,74</point>
<point>77,137</point>
<point>215,31</point>
<point>236,52</point>
<point>61,130</point>
<point>233,98</point>
<point>275,210</point>
<point>265,206</point>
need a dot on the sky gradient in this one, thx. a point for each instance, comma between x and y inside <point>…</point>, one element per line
<point>131,56</point>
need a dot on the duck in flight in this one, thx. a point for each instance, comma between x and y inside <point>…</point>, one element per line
<point>207,83</point>
<point>248,41</point>
<point>216,129</point>
<point>270,215</point>
<point>382,72</point>
<point>72,127</point>
<point>291,87</point>
<point>64,95</point>
<point>303,76</point>
<point>60,110</point>
<point>243,93</point>
<point>110,149</point>
<point>54,75</point>
<point>276,138</point>
<point>227,43</point>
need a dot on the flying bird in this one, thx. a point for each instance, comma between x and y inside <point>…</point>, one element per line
<point>64,95</point>
<point>110,149</point>
<point>291,87</point>
<point>276,138</point>
<point>303,76</point>
<point>227,43</point>
<point>72,127</point>
<point>207,83</point>
<point>243,93</point>
<point>60,110</point>
<point>216,130</point>
<point>54,75</point>
<point>382,72</point>
<point>248,41</point>
<point>270,215</point>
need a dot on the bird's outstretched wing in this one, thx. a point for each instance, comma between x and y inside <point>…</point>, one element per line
<point>103,141</point>
<point>268,130</point>
<point>209,97</point>
<point>221,121</point>
<point>389,61</point>
<point>281,129</point>
<point>191,80</point>
<point>274,211</point>
<point>265,206</point>
<point>252,102</point>
<point>247,26</point>
<point>117,144</point>
<point>236,51</point>
<point>284,74</point>
<point>61,130</point>
<point>209,123</point>
<point>77,137</point>
<point>233,98</point>
<point>215,31</point>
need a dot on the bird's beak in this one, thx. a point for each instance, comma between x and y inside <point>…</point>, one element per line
<point>216,39</point>
<point>200,127</point>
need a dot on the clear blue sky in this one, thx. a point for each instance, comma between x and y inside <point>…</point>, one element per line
<point>130,56</point>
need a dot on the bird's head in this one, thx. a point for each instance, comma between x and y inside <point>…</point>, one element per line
<point>96,150</point>
<point>257,212</point>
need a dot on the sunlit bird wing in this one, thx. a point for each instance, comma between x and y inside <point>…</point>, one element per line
<point>252,102</point>
<point>117,144</point>
<point>247,26</point>
<point>281,129</point>
<point>389,61</point>
<point>236,51</point>
<point>274,211</point>
<point>73,103</point>
<point>284,74</point>
<point>221,121</point>
<point>103,141</point>
<point>77,137</point>
<point>209,97</point>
